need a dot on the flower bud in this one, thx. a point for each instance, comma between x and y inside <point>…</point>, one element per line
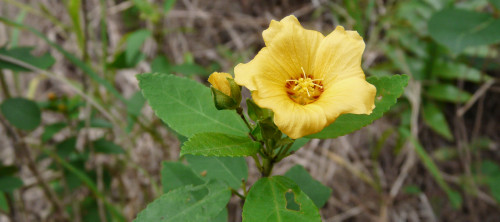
<point>226,93</point>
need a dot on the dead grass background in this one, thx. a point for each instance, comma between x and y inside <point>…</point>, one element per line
<point>221,26</point>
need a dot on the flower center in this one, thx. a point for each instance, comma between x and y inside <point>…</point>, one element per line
<point>304,90</point>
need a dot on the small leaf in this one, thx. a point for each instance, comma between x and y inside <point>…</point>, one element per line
<point>66,147</point>
<point>52,129</point>
<point>266,201</point>
<point>176,174</point>
<point>10,183</point>
<point>182,205</point>
<point>219,144</point>
<point>318,192</point>
<point>24,54</point>
<point>187,106</point>
<point>22,113</point>
<point>105,146</point>
<point>168,5</point>
<point>435,119</point>
<point>134,43</point>
<point>228,169</point>
<point>458,29</point>
<point>135,104</point>
<point>389,89</point>
<point>299,143</point>
<point>447,93</point>
<point>4,206</point>
<point>161,64</point>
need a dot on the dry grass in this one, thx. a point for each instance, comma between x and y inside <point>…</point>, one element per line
<point>364,189</point>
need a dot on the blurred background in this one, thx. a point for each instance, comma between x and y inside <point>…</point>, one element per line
<point>97,150</point>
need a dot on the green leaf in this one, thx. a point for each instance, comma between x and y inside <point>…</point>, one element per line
<point>492,172</point>
<point>24,54</point>
<point>10,183</point>
<point>52,129</point>
<point>453,196</point>
<point>176,174</point>
<point>4,206</point>
<point>135,104</point>
<point>451,70</point>
<point>187,107</point>
<point>168,5</point>
<point>105,146</point>
<point>228,169</point>
<point>73,7</point>
<point>219,144</point>
<point>189,69</point>
<point>435,119</point>
<point>66,147</point>
<point>22,113</point>
<point>182,205</point>
<point>447,93</point>
<point>458,29</point>
<point>266,201</point>
<point>160,64</point>
<point>318,192</point>
<point>389,89</point>
<point>134,43</point>
<point>299,143</point>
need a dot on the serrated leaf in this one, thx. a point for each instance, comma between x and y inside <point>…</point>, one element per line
<point>266,201</point>
<point>24,54</point>
<point>187,106</point>
<point>389,89</point>
<point>447,93</point>
<point>458,29</point>
<point>435,119</point>
<point>176,174</point>
<point>228,169</point>
<point>22,113</point>
<point>318,192</point>
<point>10,183</point>
<point>107,147</point>
<point>181,204</point>
<point>52,129</point>
<point>220,144</point>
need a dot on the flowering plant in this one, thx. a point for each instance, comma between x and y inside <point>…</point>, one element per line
<point>304,85</point>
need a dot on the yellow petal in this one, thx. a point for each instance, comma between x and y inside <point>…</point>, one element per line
<point>289,49</point>
<point>352,95</point>
<point>219,82</point>
<point>291,118</point>
<point>339,56</point>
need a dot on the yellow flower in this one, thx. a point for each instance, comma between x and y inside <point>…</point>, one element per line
<point>219,81</point>
<point>307,79</point>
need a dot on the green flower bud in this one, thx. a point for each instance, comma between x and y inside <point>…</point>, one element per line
<point>226,93</point>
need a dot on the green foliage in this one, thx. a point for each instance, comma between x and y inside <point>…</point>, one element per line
<point>492,172</point>
<point>458,29</point>
<point>176,174</point>
<point>231,170</point>
<point>73,7</point>
<point>186,106</point>
<point>447,93</point>
<point>168,5</point>
<point>9,183</point>
<point>435,119</point>
<point>219,144</point>
<point>318,192</point>
<point>22,113</point>
<point>107,147</point>
<point>186,204</point>
<point>266,201</point>
<point>52,129</point>
<point>44,61</point>
<point>389,89</point>
<point>134,42</point>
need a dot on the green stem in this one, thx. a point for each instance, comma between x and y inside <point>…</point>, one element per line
<point>267,167</point>
<point>237,194</point>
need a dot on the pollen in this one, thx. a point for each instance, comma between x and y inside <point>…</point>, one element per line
<point>304,89</point>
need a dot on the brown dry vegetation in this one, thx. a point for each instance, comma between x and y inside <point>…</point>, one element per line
<point>227,32</point>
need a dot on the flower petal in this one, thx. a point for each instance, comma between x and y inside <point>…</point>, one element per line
<point>219,81</point>
<point>339,56</point>
<point>352,95</point>
<point>293,119</point>
<point>289,49</point>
